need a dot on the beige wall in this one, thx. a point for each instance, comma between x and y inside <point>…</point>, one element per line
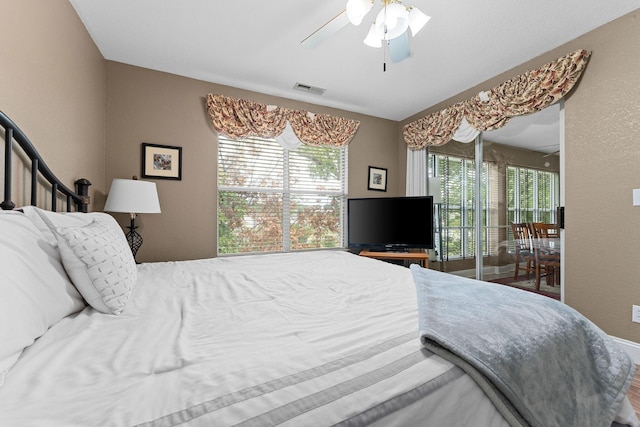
<point>601,159</point>
<point>602,117</point>
<point>53,86</point>
<point>160,108</point>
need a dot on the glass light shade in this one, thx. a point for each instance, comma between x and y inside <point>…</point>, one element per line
<point>132,196</point>
<point>417,20</point>
<point>357,10</point>
<point>373,39</point>
<point>394,18</point>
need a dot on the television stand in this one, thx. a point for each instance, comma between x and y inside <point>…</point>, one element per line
<point>421,256</point>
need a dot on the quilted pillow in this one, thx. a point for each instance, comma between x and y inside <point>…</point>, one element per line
<point>99,262</point>
<point>35,291</point>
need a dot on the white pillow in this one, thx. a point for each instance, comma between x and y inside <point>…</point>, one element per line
<point>35,291</point>
<point>99,261</point>
<point>108,294</point>
<point>47,221</point>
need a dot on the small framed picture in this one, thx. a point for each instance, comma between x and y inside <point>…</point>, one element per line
<point>161,161</point>
<point>377,179</point>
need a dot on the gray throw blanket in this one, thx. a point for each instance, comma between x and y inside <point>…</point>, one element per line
<point>542,363</point>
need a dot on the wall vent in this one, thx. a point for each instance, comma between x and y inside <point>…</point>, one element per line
<point>308,88</point>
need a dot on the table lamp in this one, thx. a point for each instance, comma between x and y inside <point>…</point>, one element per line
<point>133,196</point>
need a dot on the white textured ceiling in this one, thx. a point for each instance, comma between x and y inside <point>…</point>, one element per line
<point>255,45</point>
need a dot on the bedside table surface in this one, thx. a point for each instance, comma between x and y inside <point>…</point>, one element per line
<point>421,256</point>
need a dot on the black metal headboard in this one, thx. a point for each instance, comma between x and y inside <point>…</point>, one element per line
<point>79,198</point>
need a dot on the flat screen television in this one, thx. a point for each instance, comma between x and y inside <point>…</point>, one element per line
<point>390,223</point>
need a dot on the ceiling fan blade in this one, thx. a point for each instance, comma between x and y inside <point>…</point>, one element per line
<point>399,47</point>
<point>326,31</point>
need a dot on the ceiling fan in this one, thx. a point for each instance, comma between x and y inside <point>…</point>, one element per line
<point>390,28</point>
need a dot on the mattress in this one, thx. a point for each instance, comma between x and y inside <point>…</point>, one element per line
<point>300,339</point>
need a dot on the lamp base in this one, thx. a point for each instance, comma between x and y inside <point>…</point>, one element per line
<point>134,238</point>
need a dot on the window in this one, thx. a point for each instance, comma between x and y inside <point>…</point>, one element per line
<point>532,195</point>
<point>457,177</point>
<point>271,199</point>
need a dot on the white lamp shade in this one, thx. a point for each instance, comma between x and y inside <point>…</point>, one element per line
<point>132,196</point>
<point>373,39</point>
<point>417,20</point>
<point>394,18</point>
<point>357,10</point>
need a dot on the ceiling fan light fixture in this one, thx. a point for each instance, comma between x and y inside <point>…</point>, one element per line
<point>392,21</point>
<point>373,39</point>
<point>417,20</point>
<point>357,10</point>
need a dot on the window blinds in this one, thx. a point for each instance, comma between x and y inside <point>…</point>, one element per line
<point>273,199</point>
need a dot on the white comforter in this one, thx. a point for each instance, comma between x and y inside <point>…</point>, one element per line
<point>306,339</point>
<point>288,339</point>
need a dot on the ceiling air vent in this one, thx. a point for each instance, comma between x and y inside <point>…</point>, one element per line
<point>307,88</point>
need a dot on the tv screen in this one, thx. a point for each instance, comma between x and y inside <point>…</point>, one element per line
<point>390,223</point>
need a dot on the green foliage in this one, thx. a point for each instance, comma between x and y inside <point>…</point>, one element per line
<point>316,225</point>
<point>324,161</point>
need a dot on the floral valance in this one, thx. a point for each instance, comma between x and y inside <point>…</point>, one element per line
<point>527,93</point>
<point>240,118</point>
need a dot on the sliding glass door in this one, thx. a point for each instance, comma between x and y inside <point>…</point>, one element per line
<point>458,177</point>
<point>503,177</point>
<point>525,186</point>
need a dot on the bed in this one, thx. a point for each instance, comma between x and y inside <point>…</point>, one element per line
<point>317,338</point>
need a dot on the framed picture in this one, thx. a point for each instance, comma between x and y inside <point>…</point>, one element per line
<point>377,179</point>
<point>161,161</point>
